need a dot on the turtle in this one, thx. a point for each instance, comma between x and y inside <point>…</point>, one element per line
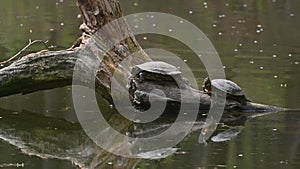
<point>151,74</point>
<point>156,71</point>
<point>232,90</point>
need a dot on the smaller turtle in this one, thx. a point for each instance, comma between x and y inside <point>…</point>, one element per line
<point>232,90</point>
<point>156,71</point>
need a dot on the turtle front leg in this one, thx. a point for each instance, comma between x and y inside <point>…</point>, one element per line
<point>141,77</point>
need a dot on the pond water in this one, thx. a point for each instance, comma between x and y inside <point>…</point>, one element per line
<point>258,42</point>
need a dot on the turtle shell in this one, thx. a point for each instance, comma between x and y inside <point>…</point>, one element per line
<point>227,86</point>
<point>224,85</point>
<point>156,67</point>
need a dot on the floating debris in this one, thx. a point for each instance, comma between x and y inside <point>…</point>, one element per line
<point>284,162</point>
<point>205,4</point>
<point>222,16</point>
<point>181,152</point>
<point>12,165</point>
<point>283,85</point>
<point>241,21</point>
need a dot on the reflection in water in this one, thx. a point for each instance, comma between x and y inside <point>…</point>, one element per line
<point>258,42</point>
<point>49,138</point>
<point>44,137</point>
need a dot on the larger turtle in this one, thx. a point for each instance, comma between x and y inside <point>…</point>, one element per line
<point>157,71</point>
<point>154,75</point>
<point>232,90</point>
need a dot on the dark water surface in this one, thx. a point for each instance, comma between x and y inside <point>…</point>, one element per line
<point>258,42</point>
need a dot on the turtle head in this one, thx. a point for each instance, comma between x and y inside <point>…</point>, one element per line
<point>206,86</point>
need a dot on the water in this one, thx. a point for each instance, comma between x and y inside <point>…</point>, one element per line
<point>258,42</point>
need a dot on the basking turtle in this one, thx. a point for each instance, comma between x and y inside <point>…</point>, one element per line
<point>154,75</point>
<point>232,90</point>
<point>156,71</point>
